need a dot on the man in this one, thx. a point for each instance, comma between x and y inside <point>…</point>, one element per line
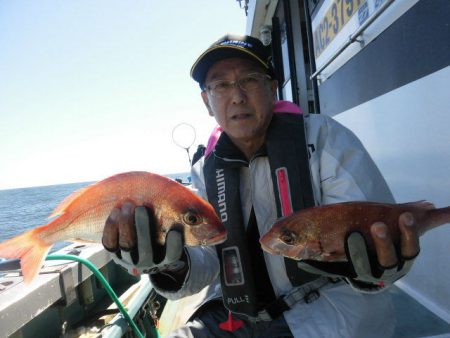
<point>257,172</point>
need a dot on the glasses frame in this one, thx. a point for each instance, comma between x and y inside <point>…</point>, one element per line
<point>233,84</point>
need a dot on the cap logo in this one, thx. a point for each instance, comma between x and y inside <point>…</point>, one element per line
<point>237,43</point>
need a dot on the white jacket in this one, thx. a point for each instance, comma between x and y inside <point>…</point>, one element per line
<point>341,170</point>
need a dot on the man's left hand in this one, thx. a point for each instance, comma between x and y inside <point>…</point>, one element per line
<point>390,266</point>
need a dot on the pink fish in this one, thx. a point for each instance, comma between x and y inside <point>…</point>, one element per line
<point>82,216</point>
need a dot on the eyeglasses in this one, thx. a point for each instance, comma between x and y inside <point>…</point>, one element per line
<point>247,83</point>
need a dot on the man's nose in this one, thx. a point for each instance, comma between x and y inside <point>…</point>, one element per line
<point>238,95</point>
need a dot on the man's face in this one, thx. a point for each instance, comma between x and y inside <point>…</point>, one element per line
<point>243,115</point>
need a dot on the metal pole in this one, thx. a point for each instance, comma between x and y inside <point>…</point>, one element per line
<point>312,60</point>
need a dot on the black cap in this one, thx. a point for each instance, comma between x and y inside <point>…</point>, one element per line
<point>230,46</point>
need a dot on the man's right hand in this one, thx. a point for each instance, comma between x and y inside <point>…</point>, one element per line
<point>127,234</point>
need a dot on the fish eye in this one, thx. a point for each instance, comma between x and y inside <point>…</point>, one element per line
<point>191,218</point>
<point>288,237</point>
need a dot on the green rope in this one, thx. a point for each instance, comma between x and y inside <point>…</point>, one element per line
<point>106,285</point>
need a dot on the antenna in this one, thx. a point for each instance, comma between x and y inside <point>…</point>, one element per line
<point>183,135</point>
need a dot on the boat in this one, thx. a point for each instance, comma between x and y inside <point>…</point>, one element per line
<point>66,300</point>
<point>381,68</point>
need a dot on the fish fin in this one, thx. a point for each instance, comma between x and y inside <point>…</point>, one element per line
<point>31,251</point>
<point>66,202</point>
<point>95,190</point>
<point>423,204</point>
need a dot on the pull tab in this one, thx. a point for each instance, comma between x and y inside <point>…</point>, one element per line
<point>231,324</point>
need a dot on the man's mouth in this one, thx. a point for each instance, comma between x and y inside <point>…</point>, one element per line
<point>242,116</point>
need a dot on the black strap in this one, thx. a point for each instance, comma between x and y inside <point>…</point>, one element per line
<point>236,277</point>
<point>277,308</point>
<point>264,289</point>
<point>290,129</point>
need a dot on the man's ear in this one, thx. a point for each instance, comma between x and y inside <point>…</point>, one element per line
<point>206,102</point>
<point>273,88</point>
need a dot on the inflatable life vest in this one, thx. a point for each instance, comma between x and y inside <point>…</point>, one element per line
<point>287,152</point>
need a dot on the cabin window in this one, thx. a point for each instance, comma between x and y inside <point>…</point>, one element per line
<point>291,54</point>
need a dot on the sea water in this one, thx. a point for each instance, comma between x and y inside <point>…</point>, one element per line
<point>26,208</point>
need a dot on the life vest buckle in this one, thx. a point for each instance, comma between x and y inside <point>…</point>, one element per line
<point>311,296</point>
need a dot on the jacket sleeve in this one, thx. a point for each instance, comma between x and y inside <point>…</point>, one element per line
<point>342,169</point>
<point>203,264</point>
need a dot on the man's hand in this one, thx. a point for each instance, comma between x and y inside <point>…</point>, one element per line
<point>127,234</point>
<point>392,263</point>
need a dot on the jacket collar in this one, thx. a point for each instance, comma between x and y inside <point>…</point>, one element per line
<point>230,155</point>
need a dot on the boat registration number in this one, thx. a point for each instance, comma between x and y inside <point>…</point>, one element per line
<point>334,19</point>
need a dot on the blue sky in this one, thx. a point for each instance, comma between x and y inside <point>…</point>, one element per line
<point>92,88</point>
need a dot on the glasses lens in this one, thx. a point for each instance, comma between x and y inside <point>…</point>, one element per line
<point>219,88</point>
<point>249,82</point>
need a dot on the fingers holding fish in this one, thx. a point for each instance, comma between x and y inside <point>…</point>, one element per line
<point>386,252</point>
<point>409,238</point>
<point>119,232</point>
<point>127,228</point>
<point>110,238</point>
<point>384,246</point>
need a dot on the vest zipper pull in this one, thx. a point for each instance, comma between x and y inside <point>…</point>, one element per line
<point>231,324</point>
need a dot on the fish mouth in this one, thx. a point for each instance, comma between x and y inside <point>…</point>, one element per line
<point>280,248</point>
<point>270,249</point>
<point>219,239</point>
<point>276,248</point>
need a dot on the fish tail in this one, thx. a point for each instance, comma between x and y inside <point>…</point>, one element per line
<point>437,217</point>
<point>30,249</point>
